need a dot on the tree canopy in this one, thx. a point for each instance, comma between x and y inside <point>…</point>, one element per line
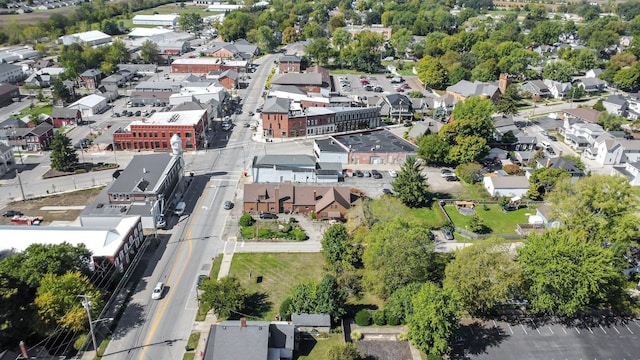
<point>325,297</point>
<point>63,156</point>
<point>225,296</point>
<point>411,185</point>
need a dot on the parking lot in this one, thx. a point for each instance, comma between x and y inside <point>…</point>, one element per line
<point>366,85</point>
<point>526,338</point>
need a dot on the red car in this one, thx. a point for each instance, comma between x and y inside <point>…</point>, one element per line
<point>399,89</point>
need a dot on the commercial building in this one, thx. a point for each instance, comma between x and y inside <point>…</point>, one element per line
<point>204,65</point>
<point>93,38</point>
<point>8,93</point>
<point>65,117</point>
<point>155,133</point>
<point>157,20</point>
<point>10,73</point>
<point>374,147</point>
<point>297,168</point>
<point>90,105</point>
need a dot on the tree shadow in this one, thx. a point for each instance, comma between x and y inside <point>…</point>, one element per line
<point>256,305</point>
<point>133,317</point>
<point>475,339</point>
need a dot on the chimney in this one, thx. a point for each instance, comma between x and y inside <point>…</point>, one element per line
<point>243,322</point>
<point>548,164</point>
<point>23,350</point>
<point>314,195</point>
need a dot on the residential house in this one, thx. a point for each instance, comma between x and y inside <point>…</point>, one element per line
<point>65,117</point>
<point>580,135</point>
<point>629,170</point>
<point>8,94</point>
<point>396,107</point>
<point>591,85</point>
<point>32,139</point>
<point>465,89</point>
<point>311,324</point>
<point>327,202</point>
<point>425,127</point>
<point>558,90</point>
<point>510,186</point>
<point>289,63</point>
<point>586,115</point>
<point>90,105</point>
<point>537,88</point>
<point>256,340</point>
<point>241,49</point>
<point>91,78</point>
<point>593,73</point>
<point>293,168</point>
<point>39,80</point>
<point>616,105</point>
<point>613,150</point>
<point>568,165</point>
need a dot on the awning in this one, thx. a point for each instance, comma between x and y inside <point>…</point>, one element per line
<point>334,214</point>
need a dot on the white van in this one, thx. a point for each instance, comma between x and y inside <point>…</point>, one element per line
<point>180,208</point>
<point>545,145</point>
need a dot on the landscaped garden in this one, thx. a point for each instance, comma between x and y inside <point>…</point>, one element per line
<point>250,229</point>
<point>493,217</point>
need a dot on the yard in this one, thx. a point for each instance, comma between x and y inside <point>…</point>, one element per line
<point>318,349</point>
<point>273,275</point>
<point>270,230</point>
<point>388,208</point>
<point>495,218</point>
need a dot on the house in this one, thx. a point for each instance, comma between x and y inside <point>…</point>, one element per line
<point>327,202</point>
<point>397,107</point>
<point>147,187</point>
<point>593,73</point>
<point>311,323</point>
<point>294,168</point>
<point>255,340</point>
<point>537,88</point>
<point>8,94</point>
<point>609,149</point>
<point>568,165</point>
<point>616,105</point>
<point>629,170</point>
<point>90,105</point>
<point>289,63</point>
<point>558,90</point>
<point>241,49</point>
<point>91,78</point>
<point>591,85</point>
<point>506,185</point>
<point>32,139</point>
<point>464,89</point>
<point>586,115</point>
<point>229,79</point>
<point>65,117</point>
<point>10,73</point>
<point>7,159</point>
<point>425,127</point>
<point>580,135</point>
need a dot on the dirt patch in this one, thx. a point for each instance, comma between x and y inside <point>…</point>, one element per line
<point>34,17</point>
<point>32,207</point>
<point>384,349</point>
<point>82,168</point>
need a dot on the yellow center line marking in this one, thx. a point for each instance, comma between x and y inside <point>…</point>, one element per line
<point>164,304</point>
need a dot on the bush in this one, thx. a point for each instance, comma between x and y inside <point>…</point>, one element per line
<point>392,319</point>
<point>403,337</point>
<point>286,228</point>
<point>363,318</point>
<point>266,234</point>
<point>511,169</point>
<point>356,335</point>
<point>379,318</point>
<point>314,215</point>
<point>293,220</point>
<point>80,341</point>
<point>299,234</point>
<point>503,200</point>
<point>246,220</point>
<point>469,173</point>
<point>285,310</point>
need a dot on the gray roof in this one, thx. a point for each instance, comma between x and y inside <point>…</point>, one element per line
<point>276,105</point>
<point>142,174</point>
<point>592,82</point>
<point>41,129</point>
<point>91,73</point>
<point>298,79</point>
<point>228,340</point>
<point>330,145</point>
<point>289,59</point>
<point>561,163</point>
<point>64,113</point>
<point>468,89</point>
<point>616,99</point>
<point>284,160</point>
<point>398,99</point>
<point>510,182</point>
<point>7,67</point>
<point>311,320</point>
<point>291,89</point>
<point>232,74</point>
<point>382,141</point>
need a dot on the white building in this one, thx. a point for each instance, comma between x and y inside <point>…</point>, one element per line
<point>329,150</point>
<point>630,170</point>
<point>93,38</point>
<point>10,73</point>
<point>506,185</point>
<point>90,105</point>
<point>157,20</point>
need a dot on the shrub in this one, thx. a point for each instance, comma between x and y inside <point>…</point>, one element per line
<point>403,336</point>
<point>476,225</point>
<point>265,234</point>
<point>80,341</point>
<point>285,310</point>
<point>392,319</point>
<point>246,220</point>
<point>356,335</point>
<point>378,318</point>
<point>503,200</point>
<point>363,318</point>
<point>469,173</point>
<point>292,220</point>
<point>511,169</point>
<point>314,215</point>
<point>285,228</point>
<point>299,234</point>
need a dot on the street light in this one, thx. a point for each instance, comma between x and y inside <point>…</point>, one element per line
<point>86,304</point>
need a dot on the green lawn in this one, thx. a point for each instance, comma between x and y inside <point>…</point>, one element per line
<point>496,219</point>
<point>318,349</point>
<point>475,191</point>
<point>278,272</point>
<point>269,230</point>
<point>388,208</point>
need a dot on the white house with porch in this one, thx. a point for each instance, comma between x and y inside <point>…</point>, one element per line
<point>580,135</point>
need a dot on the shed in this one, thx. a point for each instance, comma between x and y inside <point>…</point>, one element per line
<point>311,323</point>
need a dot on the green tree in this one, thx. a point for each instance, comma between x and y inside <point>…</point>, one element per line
<point>602,39</point>
<point>545,33</point>
<point>411,185</point>
<point>543,180</point>
<point>561,71</point>
<point>318,50</point>
<point>346,351</point>
<point>433,149</point>
<point>58,303</point>
<point>468,149</point>
<point>225,296</point>
<point>397,253</point>
<point>508,102</point>
<point>564,274</point>
<point>576,92</point>
<point>265,39</point>
<point>117,53</point>
<point>432,73</point>
<point>470,173</point>
<point>434,320</point>
<point>335,242</point>
<point>149,52</point>
<point>610,122</point>
<point>496,277</point>
<point>628,79</point>
<point>474,115</point>
<point>325,297</point>
<point>341,38</point>
<point>63,156</point>
<point>399,308</point>
<point>59,90</point>
<point>400,41</point>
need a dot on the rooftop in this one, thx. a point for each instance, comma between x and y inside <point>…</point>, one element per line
<point>330,145</point>
<point>142,174</point>
<point>382,141</point>
<point>179,118</point>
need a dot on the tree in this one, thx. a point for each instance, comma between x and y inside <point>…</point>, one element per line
<point>341,38</point>
<point>399,308</point>
<point>63,156</point>
<point>496,277</point>
<point>564,274</point>
<point>561,71</point>
<point>58,303</point>
<point>543,180</point>
<point>474,115</point>
<point>545,33</point>
<point>346,351</point>
<point>411,185</point>
<point>325,297</point>
<point>59,90</point>
<point>318,49</point>
<point>628,79</point>
<point>434,319</point>
<point>400,41</point>
<point>468,149</point>
<point>576,92</point>
<point>433,149</point>
<point>149,52</point>
<point>508,103</point>
<point>611,122</point>
<point>602,39</point>
<point>432,73</point>
<point>225,296</point>
<point>335,242</point>
<point>470,172</point>
<point>265,39</point>
<point>397,253</point>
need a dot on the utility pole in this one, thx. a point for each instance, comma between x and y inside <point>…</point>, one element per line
<point>20,183</point>
<point>86,304</point>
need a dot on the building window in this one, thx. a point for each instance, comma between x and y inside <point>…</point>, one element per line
<point>187,135</point>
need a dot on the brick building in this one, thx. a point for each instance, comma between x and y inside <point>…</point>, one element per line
<point>155,132</point>
<point>289,63</point>
<point>204,65</point>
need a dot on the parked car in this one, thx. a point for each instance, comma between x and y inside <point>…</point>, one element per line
<point>376,174</point>
<point>228,205</point>
<point>157,291</point>
<point>393,173</point>
<point>446,172</point>
<point>359,173</point>
<point>509,207</point>
<point>268,216</point>
<point>251,113</point>
<point>447,234</point>
<point>12,213</point>
<point>550,151</point>
<point>452,178</point>
<point>367,173</point>
<point>138,113</point>
<point>116,114</point>
<point>552,138</point>
<point>387,191</point>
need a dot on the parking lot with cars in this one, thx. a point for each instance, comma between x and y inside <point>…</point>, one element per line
<point>371,85</point>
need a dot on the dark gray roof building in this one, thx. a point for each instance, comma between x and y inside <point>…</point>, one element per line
<point>276,105</point>
<point>382,141</point>
<point>251,340</point>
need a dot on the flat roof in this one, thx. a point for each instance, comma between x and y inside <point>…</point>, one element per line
<point>330,145</point>
<point>180,118</point>
<point>380,140</point>
<point>208,61</point>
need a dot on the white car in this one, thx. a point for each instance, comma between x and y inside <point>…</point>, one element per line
<point>393,173</point>
<point>157,291</point>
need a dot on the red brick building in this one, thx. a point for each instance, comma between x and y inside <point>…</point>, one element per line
<point>155,132</point>
<point>204,65</point>
<point>289,63</point>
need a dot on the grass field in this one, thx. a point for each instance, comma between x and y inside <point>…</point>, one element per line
<point>318,349</point>
<point>388,208</point>
<point>498,221</point>
<point>278,274</point>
